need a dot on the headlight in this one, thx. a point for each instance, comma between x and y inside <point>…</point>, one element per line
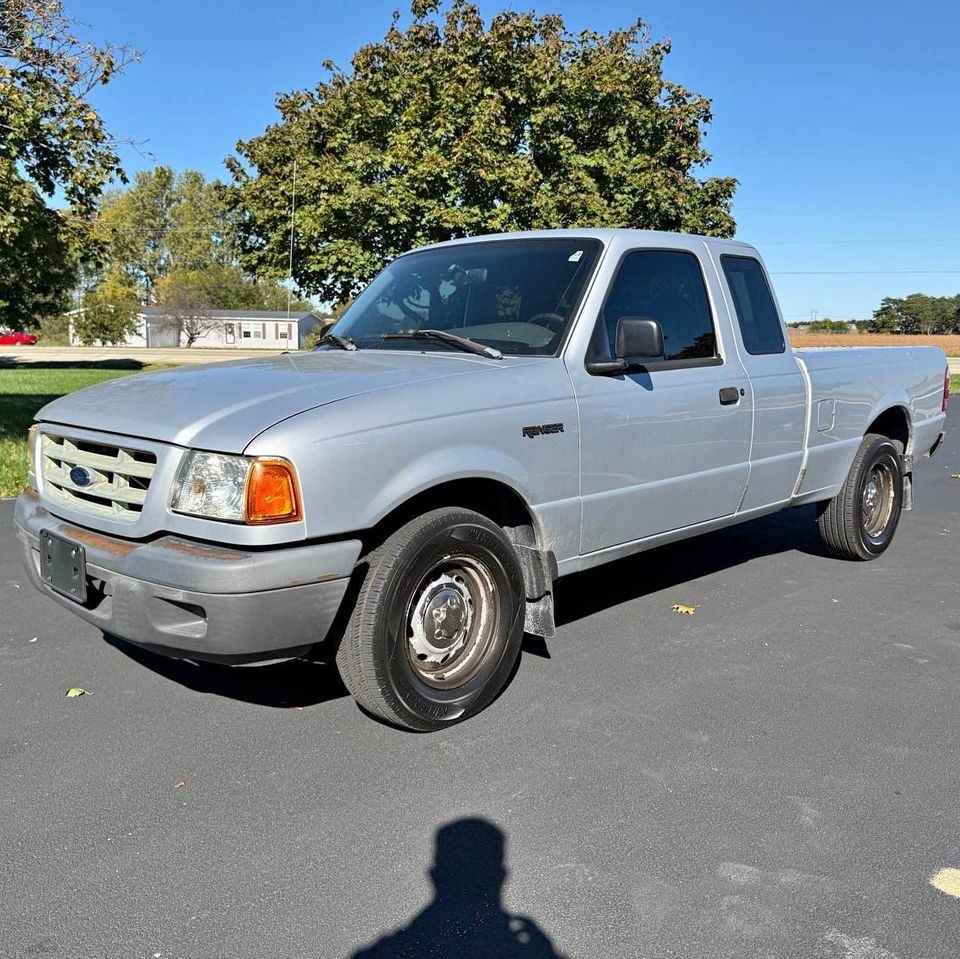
<point>239,489</point>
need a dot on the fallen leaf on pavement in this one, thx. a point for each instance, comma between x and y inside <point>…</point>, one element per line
<point>178,784</point>
<point>74,691</point>
<point>834,600</point>
<point>952,476</point>
<point>35,638</point>
<point>680,608</point>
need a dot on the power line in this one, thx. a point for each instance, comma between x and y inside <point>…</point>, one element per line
<point>293,211</point>
<point>849,242</point>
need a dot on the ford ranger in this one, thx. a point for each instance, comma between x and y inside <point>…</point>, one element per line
<point>489,416</point>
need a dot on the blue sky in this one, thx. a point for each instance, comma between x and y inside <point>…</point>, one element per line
<point>840,119</point>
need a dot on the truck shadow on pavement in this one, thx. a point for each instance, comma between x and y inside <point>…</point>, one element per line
<point>466,918</point>
<point>665,567</point>
<point>311,681</point>
<point>7,361</point>
<point>295,683</point>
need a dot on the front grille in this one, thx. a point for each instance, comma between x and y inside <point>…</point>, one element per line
<point>119,476</point>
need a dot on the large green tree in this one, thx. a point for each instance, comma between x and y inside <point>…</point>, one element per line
<point>51,140</point>
<point>452,127</point>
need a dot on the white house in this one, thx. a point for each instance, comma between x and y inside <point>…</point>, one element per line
<point>243,329</point>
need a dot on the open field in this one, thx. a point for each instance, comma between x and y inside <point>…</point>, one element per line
<point>24,389</point>
<point>949,343</point>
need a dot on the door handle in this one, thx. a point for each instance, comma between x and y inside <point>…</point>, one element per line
<point>730,395</point>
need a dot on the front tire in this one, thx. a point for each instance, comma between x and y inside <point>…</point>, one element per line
<point>859,522</point>
<point>438,621</point>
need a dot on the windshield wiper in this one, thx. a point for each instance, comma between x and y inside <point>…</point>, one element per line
<point>341,342</point>
<point>465,343</point>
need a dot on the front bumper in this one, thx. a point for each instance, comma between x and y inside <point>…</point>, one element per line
<point>196,600</point>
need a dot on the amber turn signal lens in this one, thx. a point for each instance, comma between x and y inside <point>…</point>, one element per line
<point>273,495</point>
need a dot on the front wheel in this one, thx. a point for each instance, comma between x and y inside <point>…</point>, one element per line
<point>859,522</point>
<point>438,621</point>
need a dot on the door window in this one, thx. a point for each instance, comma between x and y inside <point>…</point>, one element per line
<point>666,286</point>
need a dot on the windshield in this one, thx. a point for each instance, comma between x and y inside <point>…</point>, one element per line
<point>518,296</point>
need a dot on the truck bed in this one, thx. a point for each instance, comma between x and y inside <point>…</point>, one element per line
<point>849,388</point>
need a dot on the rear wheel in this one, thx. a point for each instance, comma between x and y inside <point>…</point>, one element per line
<point>859,522</point>
<point>438,621</point>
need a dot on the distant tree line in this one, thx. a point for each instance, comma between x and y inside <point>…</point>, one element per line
<point>914,314</point>
<point>827,325</point>
<point>917,313</point>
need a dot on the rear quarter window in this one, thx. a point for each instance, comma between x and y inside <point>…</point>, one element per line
<point>760,327</point>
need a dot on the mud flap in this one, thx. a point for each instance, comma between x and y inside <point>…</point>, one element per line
<point>539,617</point>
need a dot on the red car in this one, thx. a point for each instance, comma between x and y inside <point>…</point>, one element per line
<point>15,338</point>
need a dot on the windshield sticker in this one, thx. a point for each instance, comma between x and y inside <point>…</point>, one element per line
<point>575,257</point>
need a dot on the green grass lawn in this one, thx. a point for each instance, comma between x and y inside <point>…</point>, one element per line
<point>24,389</point>
<point>955,383</point>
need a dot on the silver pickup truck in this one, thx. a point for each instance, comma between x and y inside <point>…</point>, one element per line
<point>490,415</point>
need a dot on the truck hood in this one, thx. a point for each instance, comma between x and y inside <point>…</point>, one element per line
<point>223,406</point>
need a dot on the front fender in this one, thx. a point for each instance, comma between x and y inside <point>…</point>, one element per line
<point>444,465</point>
<point>361,459</point>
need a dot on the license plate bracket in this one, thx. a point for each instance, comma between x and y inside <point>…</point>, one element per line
<point>63,566</point>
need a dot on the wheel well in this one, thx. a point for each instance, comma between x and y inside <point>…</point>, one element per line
<point>493,499</point>
<point>893,423</point>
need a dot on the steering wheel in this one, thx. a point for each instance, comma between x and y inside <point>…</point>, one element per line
<point>552,321</point>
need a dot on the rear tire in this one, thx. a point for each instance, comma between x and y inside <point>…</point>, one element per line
<point>860,521</point>
<point>438,621</point>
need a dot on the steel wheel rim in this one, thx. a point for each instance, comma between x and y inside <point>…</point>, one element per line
<point>877,500</point>
<point>452,621</point>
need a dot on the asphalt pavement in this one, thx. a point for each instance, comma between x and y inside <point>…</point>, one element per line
<point>777,775</point>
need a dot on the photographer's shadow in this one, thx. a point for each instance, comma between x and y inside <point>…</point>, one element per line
<point>466,919</point>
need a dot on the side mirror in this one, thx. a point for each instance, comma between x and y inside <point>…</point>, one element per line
<point>638,337</point>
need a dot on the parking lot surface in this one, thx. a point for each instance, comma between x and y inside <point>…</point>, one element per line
<point>773,776</point>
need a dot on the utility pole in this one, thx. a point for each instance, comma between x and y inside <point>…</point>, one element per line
<point>293,210</point>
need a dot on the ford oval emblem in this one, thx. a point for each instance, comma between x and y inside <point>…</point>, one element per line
<point>80,476</point>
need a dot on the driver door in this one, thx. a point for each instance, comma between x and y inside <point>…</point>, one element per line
<point>664,447</point>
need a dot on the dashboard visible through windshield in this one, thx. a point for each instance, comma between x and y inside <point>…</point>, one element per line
<point>516,296</point>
